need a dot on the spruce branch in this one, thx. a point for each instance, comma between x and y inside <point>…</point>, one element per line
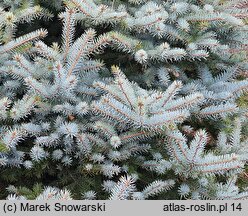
<point>15,44</point>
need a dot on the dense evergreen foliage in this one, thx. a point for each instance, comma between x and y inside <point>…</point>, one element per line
<point>123,99</point>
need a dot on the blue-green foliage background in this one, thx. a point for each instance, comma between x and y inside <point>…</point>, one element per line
<point>153,73</point>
